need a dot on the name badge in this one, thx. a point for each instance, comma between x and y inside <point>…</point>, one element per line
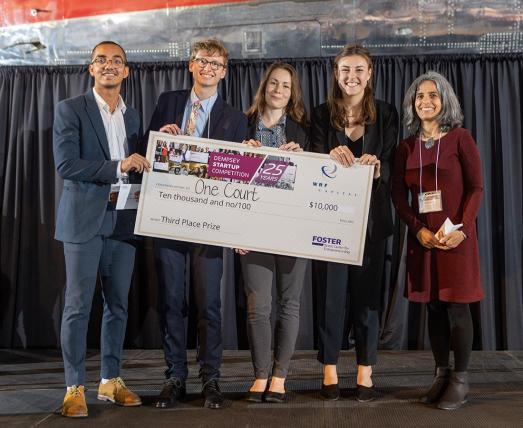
<point>429,202</point>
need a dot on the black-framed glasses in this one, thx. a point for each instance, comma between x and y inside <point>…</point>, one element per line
<point>102,60</point>
<point>202,62</point>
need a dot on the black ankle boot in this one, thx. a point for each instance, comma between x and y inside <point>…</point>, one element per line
<point>456,393</point>
<point>439,384</point>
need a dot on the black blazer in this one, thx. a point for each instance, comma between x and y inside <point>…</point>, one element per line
<point>381,139</point>
<point>225,122</point>
<point>294,131</point>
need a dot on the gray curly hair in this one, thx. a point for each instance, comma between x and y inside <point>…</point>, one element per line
<point>450,115</point>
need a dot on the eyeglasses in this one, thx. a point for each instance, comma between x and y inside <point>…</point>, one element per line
<point>102,60</point>
<point>202,62</point>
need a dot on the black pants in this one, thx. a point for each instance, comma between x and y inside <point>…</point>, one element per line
<point>450,327</point>
<point>361,287</point>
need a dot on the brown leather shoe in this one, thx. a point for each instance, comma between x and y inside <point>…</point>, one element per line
<point>116,392</point>
<point>74,403</point>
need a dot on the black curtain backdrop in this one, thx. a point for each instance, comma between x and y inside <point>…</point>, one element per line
<point>32,265</point>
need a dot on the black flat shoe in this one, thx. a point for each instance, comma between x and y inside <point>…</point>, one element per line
<point>213,396</point>
<point>330,392</point>
<point>255,396</point>
<point>274,397</point>
<point>172,391</point>
<point>365,394</point>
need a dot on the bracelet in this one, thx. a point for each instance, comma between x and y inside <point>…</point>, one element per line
<point>464,235</point>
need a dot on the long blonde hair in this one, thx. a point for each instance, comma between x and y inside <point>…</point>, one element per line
<point>338,113</point>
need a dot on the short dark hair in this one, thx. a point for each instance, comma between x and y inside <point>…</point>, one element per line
<point>109,42</point>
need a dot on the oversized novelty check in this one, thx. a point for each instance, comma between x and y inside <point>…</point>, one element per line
<point>233,195</point>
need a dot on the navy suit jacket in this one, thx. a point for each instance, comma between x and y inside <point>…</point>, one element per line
<point>225,123</point>
<point>82,159</point>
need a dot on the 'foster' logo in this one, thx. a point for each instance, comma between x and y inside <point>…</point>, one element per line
<point>322,240</point>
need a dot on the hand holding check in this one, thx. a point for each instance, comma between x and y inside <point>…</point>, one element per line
<point>344,156</point>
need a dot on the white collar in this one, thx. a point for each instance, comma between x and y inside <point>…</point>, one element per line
<point>102,105</point>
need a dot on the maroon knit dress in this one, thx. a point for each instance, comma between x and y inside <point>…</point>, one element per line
<point>453,275</point>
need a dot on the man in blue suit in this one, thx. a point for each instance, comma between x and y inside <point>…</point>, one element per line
<point>200,112</point>
<point>95,139</point>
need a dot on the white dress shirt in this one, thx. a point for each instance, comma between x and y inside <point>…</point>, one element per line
<point>114,125</point>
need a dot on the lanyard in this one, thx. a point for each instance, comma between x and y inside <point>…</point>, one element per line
<point>207,121</point>
<point>421,163</point>
<point>208,118</point>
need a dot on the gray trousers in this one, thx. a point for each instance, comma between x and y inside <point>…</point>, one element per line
<point>258,271</point>
<point>115,261</point>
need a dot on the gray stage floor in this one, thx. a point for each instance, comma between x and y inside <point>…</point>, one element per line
<point>31,391</point>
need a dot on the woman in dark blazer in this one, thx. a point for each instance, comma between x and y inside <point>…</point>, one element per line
<point>353,127</point>
<point>276,119</point>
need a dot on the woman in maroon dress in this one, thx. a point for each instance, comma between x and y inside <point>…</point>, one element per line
<point>439,166</point>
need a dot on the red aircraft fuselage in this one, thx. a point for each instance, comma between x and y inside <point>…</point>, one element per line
<point>33,11</point>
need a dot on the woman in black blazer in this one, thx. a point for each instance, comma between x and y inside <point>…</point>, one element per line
<point>353,127</point>
<point>276,119</point>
